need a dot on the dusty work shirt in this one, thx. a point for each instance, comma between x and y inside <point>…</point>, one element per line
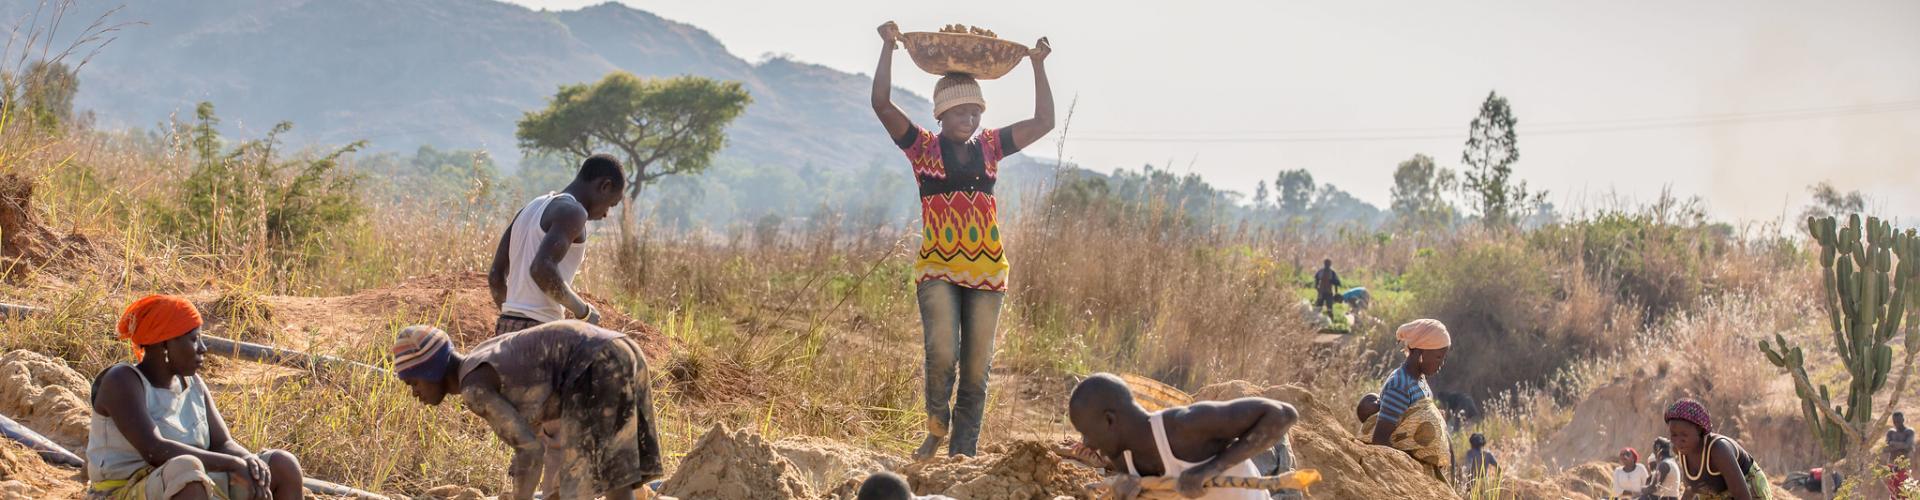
<point>533,363</point>
<point>587,389</point>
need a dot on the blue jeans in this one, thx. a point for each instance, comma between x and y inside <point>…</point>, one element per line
<point>956,319</point>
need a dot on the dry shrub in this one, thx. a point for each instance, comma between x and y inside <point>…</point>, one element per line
<point>1498,297</point>
<point>1148,288</point>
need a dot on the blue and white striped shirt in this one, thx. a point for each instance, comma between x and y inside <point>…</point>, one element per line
<point>1399,393</point>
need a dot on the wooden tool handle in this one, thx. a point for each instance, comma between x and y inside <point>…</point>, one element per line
<point>1296,480</point>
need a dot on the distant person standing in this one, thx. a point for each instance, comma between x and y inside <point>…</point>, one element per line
<point>1325,282</point>
<point>1478,461</point>
<point>532,274</point>
<point>1899,446</point>
<point>961,275</point>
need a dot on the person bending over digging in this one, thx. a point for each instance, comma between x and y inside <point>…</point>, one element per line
<point>1194,443</point>
<point>1713,466</point>
<point>1409,420</point>
<point>961,276</point>
<point>155,433</point>
<point>572,399</point>
<point>544,245</point>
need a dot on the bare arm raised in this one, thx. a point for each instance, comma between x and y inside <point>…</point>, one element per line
<point>1025,132</point>
<point>890,114</point>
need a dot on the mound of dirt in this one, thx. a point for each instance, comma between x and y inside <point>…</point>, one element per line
<point>45,395</point>
<point>1017,470</point>
<point>827,465</point>
<point>1349,467</point>
<point>1595,479</point>
<point>25,243</point>
<point>736,465</point>
<point>1628,413</point>
<point>24,476</point>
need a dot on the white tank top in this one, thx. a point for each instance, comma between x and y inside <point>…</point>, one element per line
<point>179,414</point>
<point>1174,466</point>
<point>1668,486</point>
<point>524,297</point>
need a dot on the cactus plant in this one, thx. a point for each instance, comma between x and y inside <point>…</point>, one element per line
<point>1868,272</point>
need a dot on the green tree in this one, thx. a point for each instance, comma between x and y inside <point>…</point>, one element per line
<point>42,95</point>
<point>661,126</point>
<point>1491,150</point>
<point>1831,202</point>
<point>1260,195</point>
<point>250,199</point>
<point>1419,188</point>
<point>1296,191</point>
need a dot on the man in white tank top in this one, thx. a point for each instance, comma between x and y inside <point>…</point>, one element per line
<point>1195,443</point>
<point>532,274</point>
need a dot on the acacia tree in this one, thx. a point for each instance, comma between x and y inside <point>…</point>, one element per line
<point>1491,150</point>
<point>660,127</point>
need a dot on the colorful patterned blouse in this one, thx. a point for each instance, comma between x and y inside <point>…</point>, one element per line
<point>960,223</point>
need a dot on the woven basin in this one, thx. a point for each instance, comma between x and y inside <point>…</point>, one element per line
<point>983,58</point>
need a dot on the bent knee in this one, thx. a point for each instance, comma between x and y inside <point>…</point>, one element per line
<point>281,463</point>
<point>182,464</point>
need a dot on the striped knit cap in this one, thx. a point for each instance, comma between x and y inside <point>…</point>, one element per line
<point>1688,410</point>
<point>421,352</point>
<point>954,90</point>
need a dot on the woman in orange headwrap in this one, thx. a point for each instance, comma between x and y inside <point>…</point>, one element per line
<point>155,433</point>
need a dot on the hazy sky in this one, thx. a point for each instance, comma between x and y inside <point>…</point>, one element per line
<point>1743,103</point>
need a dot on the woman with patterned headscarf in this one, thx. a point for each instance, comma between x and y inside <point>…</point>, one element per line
<point>961,276</point>
<point>1713,466</point>
<point>155,433</point>
<point>1409,420</point>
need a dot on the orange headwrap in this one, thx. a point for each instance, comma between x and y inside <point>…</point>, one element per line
<point>156,319</point>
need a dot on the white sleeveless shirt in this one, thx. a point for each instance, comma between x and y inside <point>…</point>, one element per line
<point>178,413</point>
<point>524,297</point>
<point>1175,466</point>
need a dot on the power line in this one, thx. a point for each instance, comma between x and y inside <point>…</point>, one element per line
<point>1543,128</point>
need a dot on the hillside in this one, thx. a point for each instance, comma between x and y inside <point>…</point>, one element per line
<point>454,74</point>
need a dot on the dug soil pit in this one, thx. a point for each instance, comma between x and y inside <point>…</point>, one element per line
<point>1349,468</point>
<point>45,395</point>
<point>736,465</point>
<point>26,244</point>
<point>1016,470</point>
<point>23,476</point>
<point>827,465</point>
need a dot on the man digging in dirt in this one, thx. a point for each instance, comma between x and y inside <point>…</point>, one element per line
<point>542,249</point>
<point>1409,419</point>
<point>961,276</point>
<point>155,433</point>
<point>571,398</point>
<point>1194,443</point>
